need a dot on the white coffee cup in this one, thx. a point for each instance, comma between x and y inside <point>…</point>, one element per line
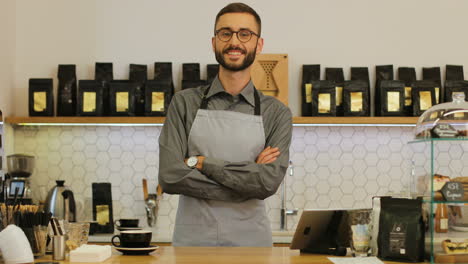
<point>15,246</point>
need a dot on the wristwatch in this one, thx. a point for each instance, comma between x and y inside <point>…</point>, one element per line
<point>192,162</point>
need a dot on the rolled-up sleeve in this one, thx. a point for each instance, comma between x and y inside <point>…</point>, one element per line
<point>252,180</point>
<point>175,177</point>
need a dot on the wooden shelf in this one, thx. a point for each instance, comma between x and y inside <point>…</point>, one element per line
<point>85,120</point>
<point>356,120</point>
<point>160,120</point>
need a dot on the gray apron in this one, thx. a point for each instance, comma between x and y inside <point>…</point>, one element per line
<point>233,137</point>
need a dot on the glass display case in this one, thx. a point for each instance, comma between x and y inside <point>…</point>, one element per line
<point>439,173</point>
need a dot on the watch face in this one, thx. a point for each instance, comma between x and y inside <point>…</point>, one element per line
<point>192,161</point>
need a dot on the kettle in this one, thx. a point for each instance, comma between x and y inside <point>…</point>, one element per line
<point>61,202</point>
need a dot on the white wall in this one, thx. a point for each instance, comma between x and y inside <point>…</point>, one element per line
<point>333,33</point>
<point>7,52</point>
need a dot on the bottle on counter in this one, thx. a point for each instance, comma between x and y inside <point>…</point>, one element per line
<point>441,218</point>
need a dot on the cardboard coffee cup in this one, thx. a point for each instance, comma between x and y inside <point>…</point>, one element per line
<point>126,222</point>
<point>133,239</point>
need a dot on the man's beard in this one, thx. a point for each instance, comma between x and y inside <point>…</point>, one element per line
<point>248,60</point>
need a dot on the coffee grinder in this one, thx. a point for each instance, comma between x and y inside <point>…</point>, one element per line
<point>17,184</point>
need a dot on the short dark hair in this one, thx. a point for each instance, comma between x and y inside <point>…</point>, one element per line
<point>240,8</point>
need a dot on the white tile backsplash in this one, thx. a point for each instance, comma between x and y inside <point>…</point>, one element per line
<point>333,166</point>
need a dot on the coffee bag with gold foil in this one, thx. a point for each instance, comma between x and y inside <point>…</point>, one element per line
<point>362,74</point>
<point>424,96</point>
<point>323,98</point>
<point>139,75</point>
<point>89,98</point>
<point>408,76</point>
<point>158,97</point>
<point>392,98</point>
<point>382,72</point>
<point>356,98</point>
<point>336,75</point>
<point>433,74</point>
<point>102,208</point>
<point>310,73</point>
<point>122,97</point>
<point>41,98</point>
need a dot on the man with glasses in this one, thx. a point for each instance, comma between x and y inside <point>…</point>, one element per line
<point>225,147</point>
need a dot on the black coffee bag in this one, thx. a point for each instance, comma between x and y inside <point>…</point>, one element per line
<point>382,72</point>
<point>392,97</point>
<point>158,97</point>
<point>433,74</point>
<point>309,73</point>
<point>66,94</point>
<point>163,72</point>
<point>323,98</point>
<point>401,230</point>
<point>103,73</point>
<point>211,72</point>
<point>89,98</point>
<point>356,98</point>
<point>122,97</point>
<point>191,76</point>
<point>408,76</point>
<point>424,95</point>
<point>452,87</point>
<point>139,75</point>
<point>336,75</point>
<point>41,97</point>
<point>454,73</point>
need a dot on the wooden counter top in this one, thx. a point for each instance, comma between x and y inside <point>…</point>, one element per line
<point>218,255</point>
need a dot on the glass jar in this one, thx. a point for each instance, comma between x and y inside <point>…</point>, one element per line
<point>447,120</point>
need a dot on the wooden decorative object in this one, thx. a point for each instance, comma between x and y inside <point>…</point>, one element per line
<point>270,75</point>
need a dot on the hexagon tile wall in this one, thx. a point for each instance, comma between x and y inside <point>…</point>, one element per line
<point>333,167</point>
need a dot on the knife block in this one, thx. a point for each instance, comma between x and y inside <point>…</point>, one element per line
<point>270,75</point>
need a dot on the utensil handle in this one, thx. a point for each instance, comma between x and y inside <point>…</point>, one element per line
<point>145,189</point>
<point>112,240</point>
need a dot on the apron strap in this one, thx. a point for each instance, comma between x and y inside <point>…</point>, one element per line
<point>257,109</point>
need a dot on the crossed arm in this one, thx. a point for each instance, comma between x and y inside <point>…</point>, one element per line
<point>217,179</point>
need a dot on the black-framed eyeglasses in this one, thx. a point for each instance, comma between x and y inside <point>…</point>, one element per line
<point>243,35</point>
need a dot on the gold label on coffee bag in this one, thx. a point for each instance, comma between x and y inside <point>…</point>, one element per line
<point>89,102</point>
<point>339,95</point>
<point>157,102</point>
<point>308,92</point>
<point>393,101</point>
<point>324,103</point>
<point>102,214</point>
<point>121,101</point>
<point>408,100</point>
<point>425,100</point>
<point>437,94</point>
<point>40,101</point>
<point>356,101</point>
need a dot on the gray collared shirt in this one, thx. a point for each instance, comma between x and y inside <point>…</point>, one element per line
<point>218,178</point>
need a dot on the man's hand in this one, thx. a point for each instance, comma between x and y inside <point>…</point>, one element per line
<point>268,155</point>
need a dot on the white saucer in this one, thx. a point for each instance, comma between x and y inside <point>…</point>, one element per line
<point>136,251</point>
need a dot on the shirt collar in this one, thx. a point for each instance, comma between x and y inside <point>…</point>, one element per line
<point>247,92</point>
